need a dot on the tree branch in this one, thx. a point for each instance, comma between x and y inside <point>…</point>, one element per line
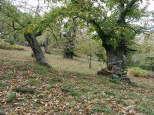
<point>124,12</point>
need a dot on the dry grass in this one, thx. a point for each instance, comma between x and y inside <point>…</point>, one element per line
<point>78,65</point>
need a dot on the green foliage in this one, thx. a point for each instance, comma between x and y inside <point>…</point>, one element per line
<point>138,72</point>
<point>91,47</point>
<point>104,19</point>
<point>88,47</point>
<point>144,56</point>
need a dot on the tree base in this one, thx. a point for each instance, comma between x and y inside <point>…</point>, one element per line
<point>44,64</point>
<point>121,76</point>
<point>68,56</point>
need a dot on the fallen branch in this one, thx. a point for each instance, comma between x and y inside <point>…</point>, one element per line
<point>24,90</point>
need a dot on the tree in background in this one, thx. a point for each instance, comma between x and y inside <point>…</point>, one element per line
<point>70,36</point>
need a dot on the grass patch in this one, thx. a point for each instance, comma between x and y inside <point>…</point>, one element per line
<point>41,70</point>
<point>8,75</point>
<point>7,46</point>
<point>3,84</point>
<point>70,91</point>
<point>10,97</point>
<point>109,92</point>
<point>115,80</point>
<point>145,109</point>
<point>55,80</point>
<point>106,110</point>
<point>138,72</point>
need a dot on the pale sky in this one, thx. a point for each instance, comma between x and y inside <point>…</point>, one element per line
<point>151,6</point>
<point>34,3</point>
<point>31,5</point>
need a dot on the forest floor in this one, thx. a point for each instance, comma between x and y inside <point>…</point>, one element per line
<point>69,88</point>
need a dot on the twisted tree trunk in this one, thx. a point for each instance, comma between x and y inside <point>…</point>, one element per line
<point>69,48</point>
<point>37,51</point>
<point>116,64</point>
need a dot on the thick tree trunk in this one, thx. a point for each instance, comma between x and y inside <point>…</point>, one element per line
<point>68,53</point>
<point>69,47</point>
<point>116,64</point>
<point>70,40</point>
<point>37,51</point>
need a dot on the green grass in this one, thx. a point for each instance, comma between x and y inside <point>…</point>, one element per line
<point>70,91</point>
<point>8,75</point>
<point>138,72</point>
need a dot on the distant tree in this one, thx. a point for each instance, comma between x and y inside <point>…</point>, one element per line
<point>70,36</point>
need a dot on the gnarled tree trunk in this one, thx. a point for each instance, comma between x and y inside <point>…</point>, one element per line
<point>70,40</point>
<point>68,53</point>
<point>69,48</point>
<point>116,64</point>
<point>37,51</point>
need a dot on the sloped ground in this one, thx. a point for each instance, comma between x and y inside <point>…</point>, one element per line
<point>47,91</point>
<point>80,65</point>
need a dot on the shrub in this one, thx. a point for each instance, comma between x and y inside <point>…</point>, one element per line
<point>138,72</point>
<point>7,46</point>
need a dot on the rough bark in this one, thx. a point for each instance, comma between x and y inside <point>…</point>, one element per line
<point>116,64</point>
<point>37,51</point>
<point>70,39</point>
<point>69,46</point>
<point>68,53</point>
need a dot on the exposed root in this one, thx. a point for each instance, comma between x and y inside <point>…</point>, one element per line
<point>121,76</point>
